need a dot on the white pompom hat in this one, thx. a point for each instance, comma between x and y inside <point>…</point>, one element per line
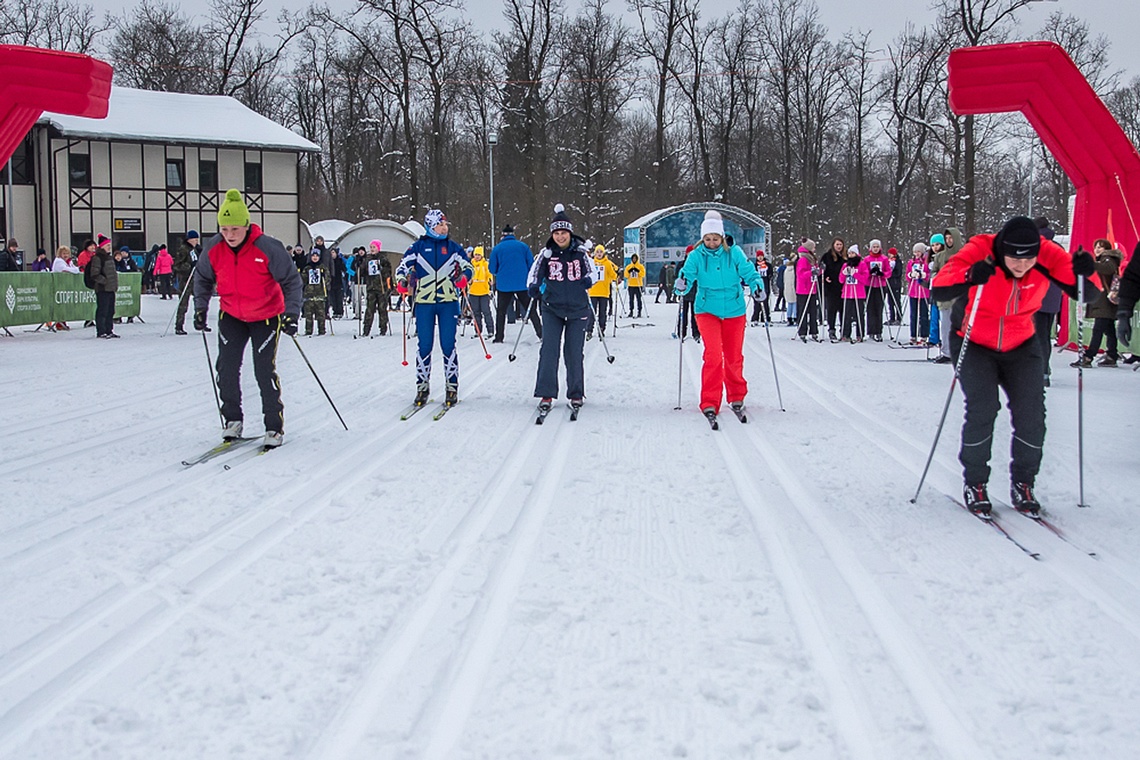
<point>712,224</point>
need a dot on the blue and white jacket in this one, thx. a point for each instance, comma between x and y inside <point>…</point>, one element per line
<point>567,274</point>
<point>431,267</point>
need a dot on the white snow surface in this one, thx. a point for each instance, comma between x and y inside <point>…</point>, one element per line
<point>629,585</point>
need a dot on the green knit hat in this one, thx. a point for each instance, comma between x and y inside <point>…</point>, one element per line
<point>233,212</point>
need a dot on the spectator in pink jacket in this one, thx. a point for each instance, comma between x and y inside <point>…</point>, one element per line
<point>877,289</point>
<point>164,272</point>
<point>853,278</point>
<point>807,290</point>
<point>918,289</point>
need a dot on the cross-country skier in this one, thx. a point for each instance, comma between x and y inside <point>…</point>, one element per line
<point>600,293</point>
<point>260,293</point>
<point>377,274</point>
<point>315,279</point>
<point>562,275</point>
<point>1015,267</point>
<point>435,268</point>
<point>879,267</point>
<point>719,271</point>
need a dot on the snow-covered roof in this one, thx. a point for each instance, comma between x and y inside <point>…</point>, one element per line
<point>179,118</point>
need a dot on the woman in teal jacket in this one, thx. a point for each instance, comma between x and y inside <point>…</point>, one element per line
<point>718,272</point>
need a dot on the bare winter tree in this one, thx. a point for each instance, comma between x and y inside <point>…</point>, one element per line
<point>53,24</point>
<point>1124,102</point>
<point>244,67</point>
<point>157,47</point>
<point>863,98</point>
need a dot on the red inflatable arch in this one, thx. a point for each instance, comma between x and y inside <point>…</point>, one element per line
<point>1042,82</point>
<point>33,80</point>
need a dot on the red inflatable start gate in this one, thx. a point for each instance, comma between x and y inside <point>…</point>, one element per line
<point>33,80</point>
<point>1042,82</point>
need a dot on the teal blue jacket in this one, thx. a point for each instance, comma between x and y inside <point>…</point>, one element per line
<point>718,275</point>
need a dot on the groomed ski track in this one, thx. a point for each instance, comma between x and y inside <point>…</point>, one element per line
<point>631,585</point>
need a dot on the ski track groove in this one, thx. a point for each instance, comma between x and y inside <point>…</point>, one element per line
<point>73,416</point>
<point>852,705</point>
<point>128,621</point>
<point>1073,559</point>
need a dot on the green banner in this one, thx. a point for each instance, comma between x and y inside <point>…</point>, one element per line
<point>1087,328</point>
<point>73,300</point>
<point>25,298</point>
<point>32,298</point>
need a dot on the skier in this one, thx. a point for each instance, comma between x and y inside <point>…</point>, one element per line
<point>315,278</point>
<point>942,247</point>
<point>185,259</point>
<point>808,276</point>
<point>880,270</point>
<point>435,269</point>
<point>479,292</point>
<point>510,264</point>
<point>894,285</point>
<point>832,291</point>
<point>918,275</point>
<point>338,276</point>
<point>635,282</point>
<point>720,309</point>
<point>562,275</point>
<point>761,314</point>
<point>601,290</point>
<point>377,272</point>
<point>260,293</point>
<point>853,277</point>
<point>1102,311</point>
<point>1015,267</point>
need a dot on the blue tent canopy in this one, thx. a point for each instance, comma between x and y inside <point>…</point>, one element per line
<point>662,236</point>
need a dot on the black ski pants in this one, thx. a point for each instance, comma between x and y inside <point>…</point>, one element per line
<point>807,309</point>
<point>1018,373</point>
<point>635,297</point>
<point>569,334</point>
<point>233,335</point>
<point>508,299</point>
<point>875,311</point>
<point>1043,325</point>
<point>184,299</point>
<point>833,300</point>
<point>853,317</point>
<point>104,312</point>
<point>601,306</point>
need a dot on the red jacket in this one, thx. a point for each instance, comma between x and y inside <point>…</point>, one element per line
<point>257,282</point>
<point>1005,313</point>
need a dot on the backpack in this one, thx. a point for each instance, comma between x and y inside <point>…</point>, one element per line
<point>89,273</point>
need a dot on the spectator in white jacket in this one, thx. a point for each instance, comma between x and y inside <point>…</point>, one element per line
<point>63,263</point>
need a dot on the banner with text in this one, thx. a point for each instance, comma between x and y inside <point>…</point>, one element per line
<point>32,298</point>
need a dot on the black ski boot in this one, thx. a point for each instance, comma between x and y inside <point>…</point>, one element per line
<point>1023,499</point>
<point>451,398</point>
<point>421,395</point>
<point>977,499</point>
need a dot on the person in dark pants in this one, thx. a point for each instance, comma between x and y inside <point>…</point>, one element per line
<point>688,302</point>
<point>1012,269</point>
<point>338,275</point>
<point>832,291</point>
<point>510,264</point>
<point>562,276</point>
<point>1102,310</point>
<point>1046,317</point>
<point>106,279</point>
<point>185,259</point>
<point>260,293</point>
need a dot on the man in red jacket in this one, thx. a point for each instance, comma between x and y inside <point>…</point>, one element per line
<point>260,293</point>
<point>1016,267</point>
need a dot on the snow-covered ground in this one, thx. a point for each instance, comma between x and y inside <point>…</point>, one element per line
<point>630,585</point>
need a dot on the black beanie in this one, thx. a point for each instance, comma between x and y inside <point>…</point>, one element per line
<point>560,221</point>
<point>1018,239</point>
<point>508,230</point>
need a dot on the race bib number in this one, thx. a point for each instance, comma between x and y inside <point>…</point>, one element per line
<point>373,268</point>
<point>314,277</point>
<point>916,272</point>
<point>851,278</point>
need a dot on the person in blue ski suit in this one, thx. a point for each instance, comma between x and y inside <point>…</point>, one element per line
<point>436,269</point>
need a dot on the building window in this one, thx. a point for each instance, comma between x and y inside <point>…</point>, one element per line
<point>252,178</point>
<point>175,176</point>
<point>21,164</point>
<point>79,169</point>
<point>207,175</point>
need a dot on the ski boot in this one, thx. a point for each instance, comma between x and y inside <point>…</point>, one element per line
<point>575,404</point>
<point>232,430</point>
<point>273,439</point>
<point>1023,499</point>
<point>977,499</point>
<point>545,404</point>
<point>451,397</point>
<point>421,395</point>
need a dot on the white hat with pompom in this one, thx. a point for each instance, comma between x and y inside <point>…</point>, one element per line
<point>712,224</point>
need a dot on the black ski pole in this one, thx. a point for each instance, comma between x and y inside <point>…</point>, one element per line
<point>213,380</point>
<point>1080,398</point>
<point>522,326</point>
<point>950,394</point>
<point>297,343</point>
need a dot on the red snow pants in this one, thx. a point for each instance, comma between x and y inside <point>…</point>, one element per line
<point>723,371</point>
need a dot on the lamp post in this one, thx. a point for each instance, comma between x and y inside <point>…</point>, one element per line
<point>492,141</point>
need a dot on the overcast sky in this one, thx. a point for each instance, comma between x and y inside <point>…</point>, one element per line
<point>1118,20</point>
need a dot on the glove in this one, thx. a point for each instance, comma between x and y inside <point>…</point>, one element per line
<point>981,272</point>
<point>461,283</point>
<point>877,271</point>
<point>680,285</point>
<point>199,319</point>
<point>1083,263</point>
<point>534,292</point>
<point>402,286</point>
<point>758,294</point>
<point>289,324</point>
<point>1124,326</point>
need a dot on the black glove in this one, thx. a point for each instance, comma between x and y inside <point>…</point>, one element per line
<point>1083,263</point>
<point>199,319</point>
<point>534,291</point>
<point>289,324</point>
<point>1124,326</point>
<point>877,271</point>
<point>981,272</point>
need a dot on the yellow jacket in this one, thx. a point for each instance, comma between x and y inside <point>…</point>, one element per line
<point>635,275</point>
<point>601,288</point>
<point>480,279</point>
